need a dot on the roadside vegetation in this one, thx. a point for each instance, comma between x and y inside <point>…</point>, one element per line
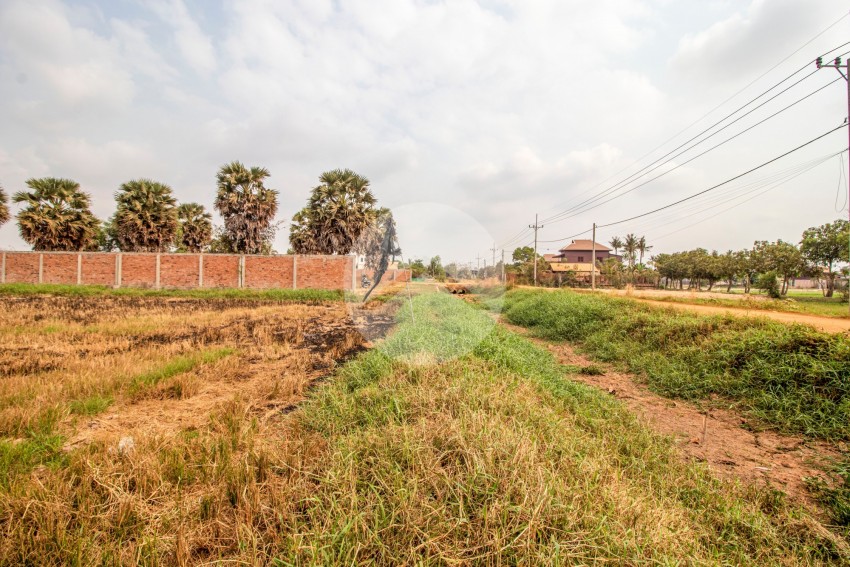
<point>790,377</point>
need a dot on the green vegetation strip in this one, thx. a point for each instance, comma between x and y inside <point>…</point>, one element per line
<point>457,442</point>
<point>791,377</point>
<point>175,366</point>
<point>282,295</point>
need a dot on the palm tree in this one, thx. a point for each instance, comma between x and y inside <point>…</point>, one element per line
<point>56,215</point>
<point>195,226</point>
<point>642,248</point>
<point>616,244</point>
<point>4,207</point>
<point>338,212</point>
<point>146,218</point>
<point>248,207</point>
<point>630,246</point>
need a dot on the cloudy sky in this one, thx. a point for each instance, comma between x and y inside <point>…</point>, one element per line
<point>469,117</point>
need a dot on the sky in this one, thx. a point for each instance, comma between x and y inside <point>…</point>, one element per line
<point>468,117</point>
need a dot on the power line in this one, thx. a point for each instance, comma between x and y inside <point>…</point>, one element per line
<point>801,146</point>
<point>548,219</point>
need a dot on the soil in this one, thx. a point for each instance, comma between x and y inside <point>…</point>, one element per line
<point>716,437</point>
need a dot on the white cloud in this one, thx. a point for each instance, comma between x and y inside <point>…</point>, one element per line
<point>197,49</point>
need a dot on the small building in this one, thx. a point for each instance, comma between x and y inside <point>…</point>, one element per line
<point>576,257</point>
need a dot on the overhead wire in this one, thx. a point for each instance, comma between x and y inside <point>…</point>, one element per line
<point>712,188</point>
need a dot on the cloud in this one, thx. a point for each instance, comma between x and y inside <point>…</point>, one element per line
<point>195,46</point>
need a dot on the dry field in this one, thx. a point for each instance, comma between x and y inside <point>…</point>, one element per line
<point>134,429</point>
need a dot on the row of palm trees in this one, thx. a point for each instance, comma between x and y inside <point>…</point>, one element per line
<point>634,248</point>
<point>56,215</point>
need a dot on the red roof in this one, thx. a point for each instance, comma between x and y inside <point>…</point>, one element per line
<point>584,245</point>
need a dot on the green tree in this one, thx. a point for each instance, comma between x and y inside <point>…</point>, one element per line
<point>781,257</point>
<point>146,216</point>
<point>616,244</point>
<point>248,208</point>
<point>825,245</point>
<point>435,269</point>
<point>728,268</point>
<point>195,229</point>
<point>338,212</point>
<point>417,269</point>
<point>4,207</point>
<point>642,248</point>
<point>56,215</point>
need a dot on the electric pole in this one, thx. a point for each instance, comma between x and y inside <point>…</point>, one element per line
<point>503,266</point>
<point>494,259</point>
<point>536,227</point>
<point>836,64</point>
<point>593,260</point>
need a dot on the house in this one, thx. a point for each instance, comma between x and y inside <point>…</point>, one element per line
<point>576,257</point>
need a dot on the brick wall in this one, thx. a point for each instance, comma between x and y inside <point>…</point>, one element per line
<point>177,270</point>
<point>389,276</point>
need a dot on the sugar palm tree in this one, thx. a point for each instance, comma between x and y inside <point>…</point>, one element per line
<point>56,215</point>
<point>616,244</point>
<point>338,213</point>
<point>146,218</point>
<point>4,207</point>
<point>630,246</point>
<point>247,206</point>
<point>642,248</point>
<point>195,226</point>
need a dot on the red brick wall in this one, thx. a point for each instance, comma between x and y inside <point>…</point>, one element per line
<point>59,268</point>
<point>98,268</point>
<point>268,271</point>
<point>21,268</point>
<point>221,271</point>
<point>138,270</point>
<point>181,270</point>
<point>389,277</point>
<point>178,270</point>
<point>323,272</point>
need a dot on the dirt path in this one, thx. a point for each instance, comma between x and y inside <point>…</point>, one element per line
<point>827,324</point>
<point>716,437</point>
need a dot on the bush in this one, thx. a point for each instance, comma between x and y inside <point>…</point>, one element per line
<point>768,282</point>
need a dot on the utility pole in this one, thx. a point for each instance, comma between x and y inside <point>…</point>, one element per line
<point>593,260</point>
<point>536,227</point>
<point>503,266</point>
<point>836,64</point>
<point>494,259</point>
<point>477,265</point>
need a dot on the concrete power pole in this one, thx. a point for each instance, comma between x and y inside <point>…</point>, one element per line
<point>503,266</point>
<point>593,260</point>
<point>536,227</point>
<point>494,259</point>
<point>836,64</point>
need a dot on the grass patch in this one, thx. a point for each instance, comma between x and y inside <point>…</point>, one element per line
<point>143,382</point>
<point>806,303</point>
<point>92,405</point>
<point>309,296</point>
<point>19,457</point>
<point>789,376</point>
<point>492,455</point>
<point>835,496</point>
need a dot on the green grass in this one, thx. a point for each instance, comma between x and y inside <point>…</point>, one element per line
<point>798,301</point>
<point>490,454</point>
<point>283,295</point>
<point>177,365</point>
<point>18,458</point>
<point>789,376</point>
<point>90,406</point>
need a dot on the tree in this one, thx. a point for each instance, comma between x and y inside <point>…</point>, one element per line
<point>4,207</point>
<point>781,257</point>
<point>146,217</point>
<point>338,212</point>
<point>825,245</point>
<point>247,206</point>
<point>616,244</point>
<point>417,269</point>
<point>435,269</point>
<point>523,265</point>
<point>195,226</point>
<point>642,248</point>
<point>56,215</point>
<point>728,268</point>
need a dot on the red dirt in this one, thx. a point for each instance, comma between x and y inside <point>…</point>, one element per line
<point>713,436</point>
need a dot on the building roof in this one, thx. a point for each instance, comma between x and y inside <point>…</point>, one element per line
<point>551,257</point>
<point>584,245</point>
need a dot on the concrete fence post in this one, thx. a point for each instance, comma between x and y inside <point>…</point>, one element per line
<point>79,269</point>
<point>294,271</point>
<point>353,273</point>
<point>118,270</point>
<point>156,283</point>
<point>3,268</point>
<point>242,271</point>
<point>201,270</point>
<point>41,268</point>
